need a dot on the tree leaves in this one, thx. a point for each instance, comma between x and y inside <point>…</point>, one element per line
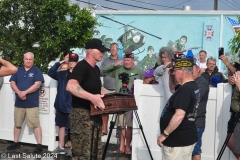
<point>235,41</point>
<point>56,25</point>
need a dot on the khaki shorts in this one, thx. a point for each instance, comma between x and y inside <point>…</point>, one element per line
<point>177,153</point>
<point>125,119</point>
<point>32,117</point>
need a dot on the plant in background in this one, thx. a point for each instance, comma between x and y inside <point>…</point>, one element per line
<point>232,57</point>
<point>45,28</point>
<point>235,41</point>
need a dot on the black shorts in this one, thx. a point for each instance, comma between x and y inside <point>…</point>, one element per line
<point>231,123</point>
<point>62,119</point>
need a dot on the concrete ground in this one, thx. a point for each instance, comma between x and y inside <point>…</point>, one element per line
<point>26,151</point>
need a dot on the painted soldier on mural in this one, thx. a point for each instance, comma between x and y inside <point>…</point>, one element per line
<point>149,60</point>
<point>179,45</point>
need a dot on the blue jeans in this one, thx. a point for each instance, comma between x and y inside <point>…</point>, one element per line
<point>197,148</point>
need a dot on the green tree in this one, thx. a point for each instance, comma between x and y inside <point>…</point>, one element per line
<point>56,25</point>
<point>235,41</point>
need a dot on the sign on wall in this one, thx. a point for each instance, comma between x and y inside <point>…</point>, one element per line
<point>44,100</point>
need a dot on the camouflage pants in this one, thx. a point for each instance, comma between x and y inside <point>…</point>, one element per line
<point>81,134</point>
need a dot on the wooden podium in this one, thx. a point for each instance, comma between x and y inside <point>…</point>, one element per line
<point>116,103</point>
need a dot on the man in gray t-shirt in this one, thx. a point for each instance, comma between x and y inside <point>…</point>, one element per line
<point>109,82</point>
<point>202,84</point>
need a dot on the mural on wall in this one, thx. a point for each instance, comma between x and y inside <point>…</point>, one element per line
<point>150,59</point>
<point>183,32</point>
<point>131,40</point>
<point>107,42</point>
<point>179,44</point>
<point>209,32</point>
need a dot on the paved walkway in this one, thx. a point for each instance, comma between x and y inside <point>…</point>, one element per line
<point>26,150</point>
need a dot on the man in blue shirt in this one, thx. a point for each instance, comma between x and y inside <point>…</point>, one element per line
<point>25,83</point>
<point>63,100</point>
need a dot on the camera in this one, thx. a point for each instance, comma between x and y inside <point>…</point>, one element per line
<point>124,77</point>
<point>220,51</point>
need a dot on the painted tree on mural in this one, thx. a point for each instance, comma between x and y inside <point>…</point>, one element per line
<point>53,26</point>
<point>107,42</point>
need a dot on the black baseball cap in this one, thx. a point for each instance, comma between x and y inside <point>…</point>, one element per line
<point>96,44</point>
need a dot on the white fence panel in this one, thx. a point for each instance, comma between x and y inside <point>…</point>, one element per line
<point>47,121</point>
<point>150,104</point>
<point>149,99</point>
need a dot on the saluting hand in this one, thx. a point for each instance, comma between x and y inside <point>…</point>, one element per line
<point>118,63</point>
<point>63,61</point>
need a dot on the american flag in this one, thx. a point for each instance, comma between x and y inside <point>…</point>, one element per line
<point>234,24</point>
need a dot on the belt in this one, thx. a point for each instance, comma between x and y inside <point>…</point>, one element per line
<point>111,89</point>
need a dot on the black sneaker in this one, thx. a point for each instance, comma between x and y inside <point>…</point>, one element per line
<point>14,146</point>
<point>38,149</point>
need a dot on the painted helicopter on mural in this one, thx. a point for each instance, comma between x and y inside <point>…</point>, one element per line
<point>131,39</point>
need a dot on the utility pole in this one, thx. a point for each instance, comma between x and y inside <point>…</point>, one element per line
<point>88,4</point>
<point>215,4</point>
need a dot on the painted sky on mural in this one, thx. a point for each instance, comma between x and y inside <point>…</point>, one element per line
<point>233,5</point>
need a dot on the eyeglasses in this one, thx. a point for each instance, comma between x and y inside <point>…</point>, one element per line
<point>25,74</point>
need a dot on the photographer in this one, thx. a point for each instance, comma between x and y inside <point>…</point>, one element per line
<point>123,75</point>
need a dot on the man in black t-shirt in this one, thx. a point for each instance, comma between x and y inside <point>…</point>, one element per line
<point>85,86</point>
<point>177,123</point>
<point>201,110</point>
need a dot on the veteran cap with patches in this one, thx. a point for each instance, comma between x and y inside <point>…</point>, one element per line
<point>179,55</point>
<point>73,57</point>
<point>183,63</point>
<point>128,54</point>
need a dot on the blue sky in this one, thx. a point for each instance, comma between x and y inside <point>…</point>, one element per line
<point>233,5</point>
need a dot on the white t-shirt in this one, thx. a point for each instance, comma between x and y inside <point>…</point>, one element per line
<point>203,65</point>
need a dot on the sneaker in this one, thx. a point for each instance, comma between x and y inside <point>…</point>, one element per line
<point>38,149</point>
<point>59,150</point>
<point>68,144</point>
<point>69,154</point>
<point>14,146</point>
